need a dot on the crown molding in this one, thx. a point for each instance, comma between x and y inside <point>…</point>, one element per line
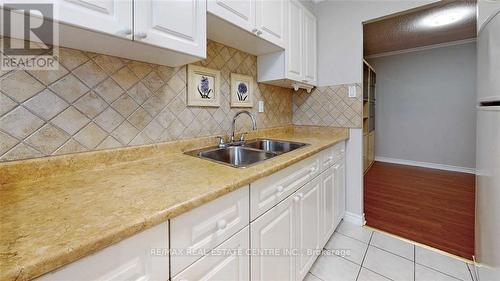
<point>423,48</point>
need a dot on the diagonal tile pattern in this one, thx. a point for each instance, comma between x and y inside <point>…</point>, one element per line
<point>96,101</point>
<point>328,106</point>
<point>376,256</point>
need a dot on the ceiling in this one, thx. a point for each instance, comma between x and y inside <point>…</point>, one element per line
<point>437,23</point>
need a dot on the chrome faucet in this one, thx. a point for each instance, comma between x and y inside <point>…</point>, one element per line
<point>242,138</point>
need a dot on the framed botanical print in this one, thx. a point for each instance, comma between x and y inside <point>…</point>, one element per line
<point>241,90</point>
<point>203,86</point>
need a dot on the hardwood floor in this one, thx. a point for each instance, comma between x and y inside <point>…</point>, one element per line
<point>429,206</point>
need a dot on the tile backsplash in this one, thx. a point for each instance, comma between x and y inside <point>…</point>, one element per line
<point>96,101</point>
<point>329,106</point>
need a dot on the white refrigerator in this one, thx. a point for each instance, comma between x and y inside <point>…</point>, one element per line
<point>487,236</point>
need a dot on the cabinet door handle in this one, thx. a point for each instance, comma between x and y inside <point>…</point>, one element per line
<point>221,224</point>
<point>301,195</point>
<point>279,189</point>
<point>296,198</point>
<point>254,30</point>
<point>125,31</point>
<point>141,35</point>
<point>259,32</point>
<point>312,170</point>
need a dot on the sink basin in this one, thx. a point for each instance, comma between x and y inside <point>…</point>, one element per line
<point>274,146</point>
<point>250,153</point>
<point>235,156</point>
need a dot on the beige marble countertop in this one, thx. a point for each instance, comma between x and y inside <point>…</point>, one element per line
<point>59,209</point>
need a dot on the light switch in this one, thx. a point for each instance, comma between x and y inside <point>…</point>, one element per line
<point>352,91</point>
<point>261,106</point>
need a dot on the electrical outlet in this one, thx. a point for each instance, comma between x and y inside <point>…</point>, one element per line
<point>352,91</point>
<point>261,106</point>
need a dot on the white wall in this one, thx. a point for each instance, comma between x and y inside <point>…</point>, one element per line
<point>425,108</point>
<point>309,4</point>
<point>486,10</point>
<point>340,35</point>
<point>340,56</point>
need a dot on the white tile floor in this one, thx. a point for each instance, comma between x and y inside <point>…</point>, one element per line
<point>376,256</point>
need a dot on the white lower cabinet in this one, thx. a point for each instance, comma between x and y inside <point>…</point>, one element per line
<point>273,229</point>
<point>339,205</point>
<point>308,225</point>
<point>276,229</point>
<point>228,262</point>
<point>327,205</point>
<point>141,257</point>
<point>204,228</point>
<point>301,224</point>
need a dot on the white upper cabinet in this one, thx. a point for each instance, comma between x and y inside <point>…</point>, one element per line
<point>295,67</point>
<point>107,16</point>
<point>309,48</point>
<point>253,26</point>
<point>163,32</point>
<point>237,12</point>
<point>294,53</point>
<point>178,25</point>
<point>270,20</point>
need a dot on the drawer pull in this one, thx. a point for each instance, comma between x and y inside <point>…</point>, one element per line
<point>296,198</point>
<point>279,189</point>
<point>221,224</point>
<point>312,170</point>
<point>301,195</point>
<point>141,35</point>
<point>330,158</point>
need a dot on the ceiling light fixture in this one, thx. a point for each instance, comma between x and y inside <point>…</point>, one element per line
<point>446,17</point>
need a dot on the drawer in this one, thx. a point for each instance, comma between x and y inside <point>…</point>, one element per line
<point>269,191</point>
<point>130,259</point>
<point>327,158</point>
<point>206,227</point>
<point>228,262</point>
<point>332,155</point>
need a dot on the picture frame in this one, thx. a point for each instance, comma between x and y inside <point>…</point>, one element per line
<point>241,90</point>
<point>203,86</point>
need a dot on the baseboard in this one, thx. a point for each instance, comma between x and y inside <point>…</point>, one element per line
<point>354,218</point>
<point>426,165</point>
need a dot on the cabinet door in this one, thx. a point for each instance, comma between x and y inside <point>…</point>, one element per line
<point>309,47</point>
<point>308,228</point>
<point>224,263</point>
<point>270,20</point>
<point>237,12</point>
<point>276,229</point>
<point>327,205</point>
<point>107,16</point>
<point>294,53</point>
<point>176,25</point>
<point>339,176</point>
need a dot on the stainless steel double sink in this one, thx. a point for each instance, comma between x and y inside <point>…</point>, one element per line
<point>250,153</point>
